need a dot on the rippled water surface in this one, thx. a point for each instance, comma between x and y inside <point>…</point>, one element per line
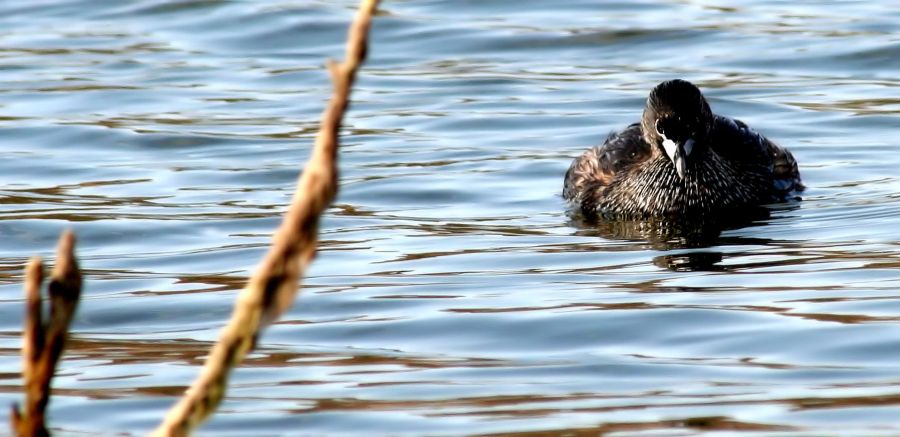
<point>453,294</point>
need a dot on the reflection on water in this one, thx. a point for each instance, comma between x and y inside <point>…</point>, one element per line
<point>670,233</point>
<point>453,294</point>
<point>690,261</point>
<point>674,234</point>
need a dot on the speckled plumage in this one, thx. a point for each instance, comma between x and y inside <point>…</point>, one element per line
<point>729,169</point>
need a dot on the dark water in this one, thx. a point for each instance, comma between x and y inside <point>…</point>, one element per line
<point>453,294</point>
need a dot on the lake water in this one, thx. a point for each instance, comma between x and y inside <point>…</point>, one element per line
<point>453,294</point>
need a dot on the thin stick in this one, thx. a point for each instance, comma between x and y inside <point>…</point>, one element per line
<point>272,288</point>
<point>43,343</point>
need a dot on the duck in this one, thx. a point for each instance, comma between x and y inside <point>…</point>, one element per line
<point>681,160</point>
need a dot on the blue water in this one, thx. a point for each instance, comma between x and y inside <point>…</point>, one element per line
<point>453,294</point>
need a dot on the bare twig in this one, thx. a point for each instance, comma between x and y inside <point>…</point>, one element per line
<point>42,344</point>
<point>271,289</point>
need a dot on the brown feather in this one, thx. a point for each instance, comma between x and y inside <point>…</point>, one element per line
<point>599,165</point>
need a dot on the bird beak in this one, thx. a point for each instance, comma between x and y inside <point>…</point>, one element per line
<point>679,153</point>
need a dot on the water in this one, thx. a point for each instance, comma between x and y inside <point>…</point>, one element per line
<point>452,293</point>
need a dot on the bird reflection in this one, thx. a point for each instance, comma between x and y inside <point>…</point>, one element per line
<point>674,234</point>
<point>690,262</point>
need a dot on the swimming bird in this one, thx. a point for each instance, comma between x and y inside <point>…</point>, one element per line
<point>681,160</point>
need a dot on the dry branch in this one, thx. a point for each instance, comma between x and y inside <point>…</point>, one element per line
<point>43,343</point>
<point>273,286</point>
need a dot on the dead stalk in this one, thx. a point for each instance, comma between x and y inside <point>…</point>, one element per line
<point>271,289</point>
<point>43,343</point>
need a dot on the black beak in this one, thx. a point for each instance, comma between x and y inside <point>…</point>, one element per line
<point>679,161</point>
<point>678,153</point>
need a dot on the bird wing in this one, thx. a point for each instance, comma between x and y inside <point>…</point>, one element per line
<point>785,171</point>
<point>600,164</point>
<point>735,141</point>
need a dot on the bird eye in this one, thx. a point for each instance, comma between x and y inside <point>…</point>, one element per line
<point>659,127</point>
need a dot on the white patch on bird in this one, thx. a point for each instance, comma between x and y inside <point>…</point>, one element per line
<point>670,147</point>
